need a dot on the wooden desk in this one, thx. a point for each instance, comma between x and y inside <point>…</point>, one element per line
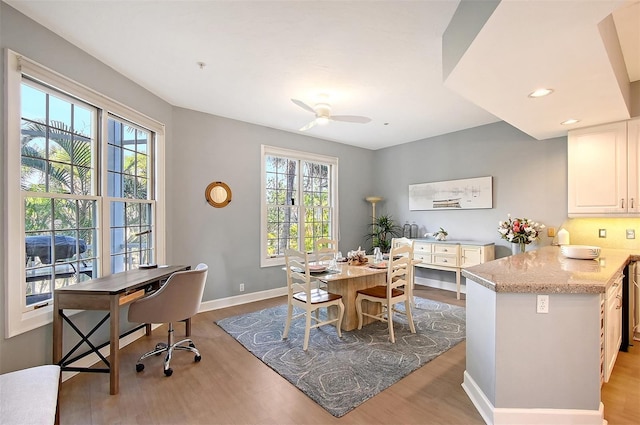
<point>105,293</point>
<point>347,282</point>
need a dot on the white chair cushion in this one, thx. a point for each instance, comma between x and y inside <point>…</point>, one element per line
<point>29,396</point>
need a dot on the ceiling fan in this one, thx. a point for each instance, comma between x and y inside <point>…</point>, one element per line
<point>323,115</point>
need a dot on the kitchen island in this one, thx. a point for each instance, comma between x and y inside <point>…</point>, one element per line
<point>525,367</point>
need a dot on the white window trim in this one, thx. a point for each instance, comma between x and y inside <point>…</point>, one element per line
<point>16,320</point>
<point>267,150</point>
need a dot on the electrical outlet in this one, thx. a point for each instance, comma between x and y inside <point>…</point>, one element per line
<point>602,233</point>
<point>542,304</point>
<point>242,287</point>
<point>631,234</point>
<point>551,231</point>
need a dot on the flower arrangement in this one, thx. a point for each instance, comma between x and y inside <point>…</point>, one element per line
<point>519,230</point>
<point>441,235</point>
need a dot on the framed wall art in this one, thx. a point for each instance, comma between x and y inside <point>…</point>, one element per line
<point>452,194</point>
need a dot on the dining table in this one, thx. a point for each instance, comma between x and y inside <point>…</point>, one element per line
<point>346,280</point>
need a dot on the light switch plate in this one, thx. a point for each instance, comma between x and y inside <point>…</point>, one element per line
<point>602,233</point>
<point>631,234</point>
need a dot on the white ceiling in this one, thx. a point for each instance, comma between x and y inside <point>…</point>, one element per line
<point>380,59</point>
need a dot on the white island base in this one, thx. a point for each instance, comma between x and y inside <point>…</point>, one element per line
<point>529,368</point>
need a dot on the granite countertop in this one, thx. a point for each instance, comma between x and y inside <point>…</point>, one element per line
<point>546,270</point>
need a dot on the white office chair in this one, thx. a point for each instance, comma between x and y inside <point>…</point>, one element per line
<point>178,299</point>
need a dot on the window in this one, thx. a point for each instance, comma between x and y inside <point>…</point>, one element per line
<point>80,193</point>
<point>128,177</point>
<point>299,201</point>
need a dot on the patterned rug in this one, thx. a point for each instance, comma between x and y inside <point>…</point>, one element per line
<point>341,373</point>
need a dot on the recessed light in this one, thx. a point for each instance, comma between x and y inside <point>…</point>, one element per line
<point>570,121</point>
<point>541,93</point>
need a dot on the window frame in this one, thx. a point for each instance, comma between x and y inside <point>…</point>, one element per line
<point>17,320</point>
<point>332,162</point>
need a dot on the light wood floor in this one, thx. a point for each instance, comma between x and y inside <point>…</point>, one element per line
<point>231,386</point>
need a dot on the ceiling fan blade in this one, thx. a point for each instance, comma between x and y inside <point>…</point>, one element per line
<point>303,105</point>
<point>350,118</point>
<point>308,126</point>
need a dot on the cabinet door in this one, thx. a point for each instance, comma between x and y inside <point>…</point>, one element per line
<point>633,165</point>
<point>597,169</point>
<point>613,327</point>
<point>470,255</point>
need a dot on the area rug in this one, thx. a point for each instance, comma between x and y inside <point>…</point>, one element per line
<point>341,373</point>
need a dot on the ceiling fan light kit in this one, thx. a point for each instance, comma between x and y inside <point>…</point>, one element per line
<point>323,115</point>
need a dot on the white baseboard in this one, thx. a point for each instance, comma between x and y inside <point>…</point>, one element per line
<point>92,359</point>
<point>515,416</point>
<point>478,398</point>
<point>242,299</point>
<point>438,284</point>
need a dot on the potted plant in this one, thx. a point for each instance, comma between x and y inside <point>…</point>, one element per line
<point>383,229</point>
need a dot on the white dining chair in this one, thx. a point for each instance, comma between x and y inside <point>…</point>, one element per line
<point>303,293</point>
<point>395,242</point>
<point>390,294</point>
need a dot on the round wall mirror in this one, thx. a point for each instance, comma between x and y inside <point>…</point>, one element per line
<point>218,194</point>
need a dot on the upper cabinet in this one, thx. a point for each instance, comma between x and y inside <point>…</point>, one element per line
<point>603,164</point>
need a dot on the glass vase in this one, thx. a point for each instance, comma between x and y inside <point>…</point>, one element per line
<point>518,248</point>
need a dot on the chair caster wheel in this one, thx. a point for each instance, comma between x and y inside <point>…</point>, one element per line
<point>168,372</point>
<point>139,367</point>
<point>197,358</point>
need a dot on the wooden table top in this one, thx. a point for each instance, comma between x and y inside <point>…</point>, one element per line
<point>121,282</point>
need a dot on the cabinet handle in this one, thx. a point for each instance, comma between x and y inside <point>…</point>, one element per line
<point>632,203</point>
<point>622,203</point>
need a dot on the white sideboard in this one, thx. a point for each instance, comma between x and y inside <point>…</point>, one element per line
<point>453,255</point>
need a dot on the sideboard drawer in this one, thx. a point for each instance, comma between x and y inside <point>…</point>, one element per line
<point>446,260</point>
<point>419,248</point>
<point>445,249</point>
<point>424,258</point>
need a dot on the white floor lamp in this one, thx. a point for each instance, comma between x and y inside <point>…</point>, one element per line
<point>373,200</point>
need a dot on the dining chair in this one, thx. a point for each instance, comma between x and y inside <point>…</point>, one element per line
<point>390,294</point>
<point>303,293</point>
<point>178,299</point>
<point>325,249</point>
<point>411,277</point>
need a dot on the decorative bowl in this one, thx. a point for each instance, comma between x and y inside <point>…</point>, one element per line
<point>580,252</point>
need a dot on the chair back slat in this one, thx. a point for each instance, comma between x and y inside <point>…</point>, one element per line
<point>398,269</point>
<point>325,249</point>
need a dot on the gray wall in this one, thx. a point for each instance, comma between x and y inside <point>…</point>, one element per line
<point>529,180</point>
<point>210,148</point>
<point>521,359</point>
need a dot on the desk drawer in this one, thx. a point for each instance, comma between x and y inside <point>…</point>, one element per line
<point>446,260</point>
<point>130,297</point>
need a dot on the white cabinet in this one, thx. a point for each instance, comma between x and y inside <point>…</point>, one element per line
<point>603,175</point>
<point>452,256</point>
<point>612,326</point>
